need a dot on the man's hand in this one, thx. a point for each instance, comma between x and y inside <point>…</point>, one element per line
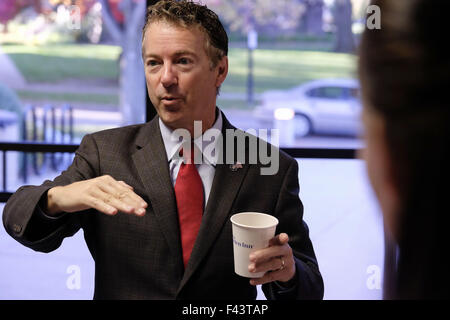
<point>276,260</point>
<point>104,194</point>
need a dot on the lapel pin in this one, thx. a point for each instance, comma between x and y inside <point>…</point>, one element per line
<point>236,166</point>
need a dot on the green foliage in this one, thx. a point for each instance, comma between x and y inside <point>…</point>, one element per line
<point>264,15</point>
<point>283,69</point>
<point>56,62</point>
<point>273,69</point>
<point>97,98</point>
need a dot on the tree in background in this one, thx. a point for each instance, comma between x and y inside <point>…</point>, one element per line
<point>126,32</point>
<point>10,8</point>
<point>83,5</point>
<point>86,5</point>
<point>343,21</point>
<point>265,16</point>
<point>124,20</point>
<point>312,20</point>
<point>281,16</point>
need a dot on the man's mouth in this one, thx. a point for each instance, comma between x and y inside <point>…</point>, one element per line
<point>170,98</point>
<point>171,101</point>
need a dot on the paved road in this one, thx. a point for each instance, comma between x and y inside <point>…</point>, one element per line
<point>244,120</point>
<point>9,75</point>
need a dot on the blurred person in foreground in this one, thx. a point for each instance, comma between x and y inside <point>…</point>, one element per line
<point>157,226</point>
<point>404,70</point>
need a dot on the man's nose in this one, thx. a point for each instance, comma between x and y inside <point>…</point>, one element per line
<point>168,77</point>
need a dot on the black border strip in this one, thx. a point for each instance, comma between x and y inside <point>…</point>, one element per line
<point>37,147</point>
<point>305,153</point>
<point>320,153</point>
<point>315,153</point>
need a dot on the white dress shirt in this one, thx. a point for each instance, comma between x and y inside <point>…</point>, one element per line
<point>206,168</point>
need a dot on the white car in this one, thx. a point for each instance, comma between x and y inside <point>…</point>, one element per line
<point>325,106</point>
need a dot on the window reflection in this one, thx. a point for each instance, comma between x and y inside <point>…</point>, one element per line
<point>68,68</point>
<point>316,42</point>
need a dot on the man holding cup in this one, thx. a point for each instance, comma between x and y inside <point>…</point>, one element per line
<point>156,221</point>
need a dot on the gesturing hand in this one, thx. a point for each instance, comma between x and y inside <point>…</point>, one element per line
<point>104,194</point>
<point>277,261</point>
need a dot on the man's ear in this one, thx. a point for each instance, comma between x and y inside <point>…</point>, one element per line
<point>222,71</point>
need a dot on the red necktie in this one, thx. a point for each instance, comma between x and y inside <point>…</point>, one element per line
<point>189,196</point>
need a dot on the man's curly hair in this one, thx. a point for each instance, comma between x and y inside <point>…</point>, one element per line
<point>186,14</point>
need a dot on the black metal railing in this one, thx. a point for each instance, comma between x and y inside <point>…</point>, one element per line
<point>27,147</point>
<point>44,125</point>
<point>52,148</point>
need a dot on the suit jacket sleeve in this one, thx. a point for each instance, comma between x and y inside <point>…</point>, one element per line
<point>23,217</point>
<point>289,210</point>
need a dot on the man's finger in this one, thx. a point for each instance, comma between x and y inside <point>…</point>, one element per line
<point>273,264</point>
<point>120,189</point>
<point>111,191</point>
<point>107,198</point>
<point>100,206</point>
<point>268,277</point>
<point>126,185</point>
<point>279,240</point>
<point>123,198</point>
<point>124,189</point>
<point>275,248</point>
<point>119,204</point>
<point>263,255</point>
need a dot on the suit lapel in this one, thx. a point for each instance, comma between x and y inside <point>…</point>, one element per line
<point>152,165</point>
<point>226,184</point>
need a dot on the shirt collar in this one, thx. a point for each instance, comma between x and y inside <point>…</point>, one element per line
<point>173,146</point>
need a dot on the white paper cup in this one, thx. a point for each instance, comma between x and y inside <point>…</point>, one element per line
<point>251,231</point>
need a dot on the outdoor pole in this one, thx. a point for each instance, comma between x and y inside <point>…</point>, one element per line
<point>4,171</point>
<point>250,77</point>
<point>252,44</point>
<point>150,109</point>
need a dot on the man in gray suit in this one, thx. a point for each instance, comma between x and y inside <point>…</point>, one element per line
<point>121,186</point>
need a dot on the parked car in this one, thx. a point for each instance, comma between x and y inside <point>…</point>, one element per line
<point>325,106</point>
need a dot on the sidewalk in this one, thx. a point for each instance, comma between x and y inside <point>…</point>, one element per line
<point>9,74</point>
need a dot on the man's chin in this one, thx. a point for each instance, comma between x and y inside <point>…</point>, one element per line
<point>172,120</point>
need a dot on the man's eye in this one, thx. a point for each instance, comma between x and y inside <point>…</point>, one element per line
<point>183,61</point>
<point>152,63</point>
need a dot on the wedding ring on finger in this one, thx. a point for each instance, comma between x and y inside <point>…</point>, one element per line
<point>282,264</point>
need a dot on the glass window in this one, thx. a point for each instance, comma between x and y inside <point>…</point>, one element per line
<point>313,93</point>
<point>72,58</point>
<point>299,43</point>
<point>330,93</point>
<point>68,68</point>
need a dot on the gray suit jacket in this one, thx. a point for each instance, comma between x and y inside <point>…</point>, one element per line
<point>140,257</point>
